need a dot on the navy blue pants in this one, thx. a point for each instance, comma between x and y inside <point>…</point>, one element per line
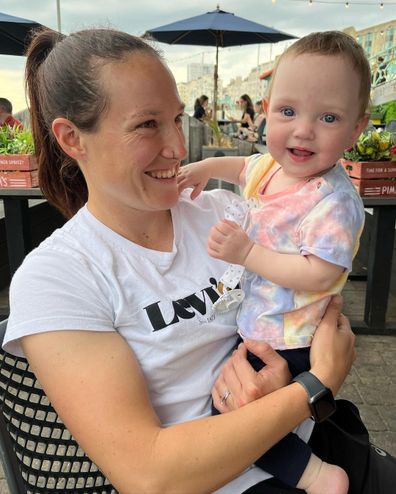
<point>288,459</point>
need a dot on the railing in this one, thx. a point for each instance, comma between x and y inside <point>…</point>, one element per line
<point>384,70</point>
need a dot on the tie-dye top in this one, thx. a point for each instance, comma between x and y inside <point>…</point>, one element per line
<point>323,216</point>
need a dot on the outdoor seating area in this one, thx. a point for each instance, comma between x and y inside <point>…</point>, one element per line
<point>133,294</point>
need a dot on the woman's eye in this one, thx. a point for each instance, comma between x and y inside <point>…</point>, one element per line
<point>329,118</point>
<point>150,124</point>
<point>287,112</point>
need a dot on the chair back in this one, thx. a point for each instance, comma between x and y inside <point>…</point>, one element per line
<point>261,132</point>
<point>38,453</point>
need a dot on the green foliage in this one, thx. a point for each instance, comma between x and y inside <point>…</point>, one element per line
<point>373,146</point>
<point>218,137</point>
<point>385,112</point>
<point>16,141</point>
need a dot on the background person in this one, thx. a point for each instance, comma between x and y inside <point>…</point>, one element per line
<point>247,117</point>
<point>304,228</point>
<point>201,111</point>
<point>113,310</point>
<point>6,117</point>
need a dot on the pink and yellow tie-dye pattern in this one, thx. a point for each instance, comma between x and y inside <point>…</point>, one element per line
<point>323,216</point>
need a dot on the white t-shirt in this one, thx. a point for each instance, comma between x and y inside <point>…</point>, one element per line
<point>87,277</point>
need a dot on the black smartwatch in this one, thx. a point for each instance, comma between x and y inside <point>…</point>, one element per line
<point>320,399</point>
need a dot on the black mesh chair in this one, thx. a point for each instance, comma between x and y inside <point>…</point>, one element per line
<point>38,453</point>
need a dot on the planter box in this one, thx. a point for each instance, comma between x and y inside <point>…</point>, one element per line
<point>370,169</point>
<point>20,162</point>
<point>18,179</point>
<point>210,151</point>
<point>375,187</point>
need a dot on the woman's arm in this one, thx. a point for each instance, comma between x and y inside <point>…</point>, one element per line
<point>229,242</point>
<point>97,387</point>
<point>246,118</point>
<point>246,384</point>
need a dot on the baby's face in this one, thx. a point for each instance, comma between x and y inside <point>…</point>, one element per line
<point>313,113</point>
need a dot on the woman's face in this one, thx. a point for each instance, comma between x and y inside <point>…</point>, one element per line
<point>242,102</point>
<point>131,162</point>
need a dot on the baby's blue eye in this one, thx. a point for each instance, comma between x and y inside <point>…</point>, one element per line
<point>329,118</point>
<point>287,112</point>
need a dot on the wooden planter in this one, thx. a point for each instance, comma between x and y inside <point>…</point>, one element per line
<point>372,178</point>
<point>18,171</point>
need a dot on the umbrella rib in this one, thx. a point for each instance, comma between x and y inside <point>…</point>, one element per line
<point>183,35</point>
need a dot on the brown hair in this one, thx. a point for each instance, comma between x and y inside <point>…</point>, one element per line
<point>332,43</point>
<point>201,100</point>
<point>248,100</point>
<point>63,80</point>
<point>6,105</point>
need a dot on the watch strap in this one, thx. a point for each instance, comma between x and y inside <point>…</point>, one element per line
<point>310,382</point>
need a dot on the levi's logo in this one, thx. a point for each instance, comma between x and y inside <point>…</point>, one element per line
<point>183,308</point>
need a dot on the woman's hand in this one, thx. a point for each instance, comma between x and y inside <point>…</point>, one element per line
<point>333,347</point>
<point>238,383</point>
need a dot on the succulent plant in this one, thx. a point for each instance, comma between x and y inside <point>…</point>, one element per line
<point>373,145</point>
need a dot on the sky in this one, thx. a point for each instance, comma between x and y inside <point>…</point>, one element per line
<point>296,17</point>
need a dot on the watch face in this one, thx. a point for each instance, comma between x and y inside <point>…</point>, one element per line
<point>324,406</point>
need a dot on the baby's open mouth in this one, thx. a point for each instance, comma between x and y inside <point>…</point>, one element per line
<point>300,152</point>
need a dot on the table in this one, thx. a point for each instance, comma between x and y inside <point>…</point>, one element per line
<point>379,268</point>
<point>19,243</point>
<point>17,222</point>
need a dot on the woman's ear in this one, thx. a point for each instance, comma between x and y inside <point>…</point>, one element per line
<point>68,137</point>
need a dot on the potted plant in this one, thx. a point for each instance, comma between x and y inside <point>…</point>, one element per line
<point>221,144</point>
<point>18,164</point>
<point>371,163</point>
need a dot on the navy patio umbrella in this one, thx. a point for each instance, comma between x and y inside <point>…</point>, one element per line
<point>217,28</point>
<point>15,34</point>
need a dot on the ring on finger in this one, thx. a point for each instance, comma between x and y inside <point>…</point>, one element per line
<point>224,398</point>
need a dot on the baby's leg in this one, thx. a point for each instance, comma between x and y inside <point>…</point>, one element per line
<point>291,459</point>
<point>320,477</point>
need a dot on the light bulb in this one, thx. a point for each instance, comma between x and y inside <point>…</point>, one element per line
<point>347,5</point>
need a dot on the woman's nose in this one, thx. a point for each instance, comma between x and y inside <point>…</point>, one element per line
<point>174,145</point>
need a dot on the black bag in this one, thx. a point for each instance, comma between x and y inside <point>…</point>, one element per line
<point>344,440</point>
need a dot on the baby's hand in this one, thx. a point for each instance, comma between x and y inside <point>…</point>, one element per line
<point>229,242</point>
<point>195,175</point>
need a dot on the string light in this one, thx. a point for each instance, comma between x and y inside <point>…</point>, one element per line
<point>348,3</point>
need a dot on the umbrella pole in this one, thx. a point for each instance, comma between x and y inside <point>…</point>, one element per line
<point>216,75</point>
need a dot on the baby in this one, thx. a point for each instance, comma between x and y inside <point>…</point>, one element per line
<point>303,222</point>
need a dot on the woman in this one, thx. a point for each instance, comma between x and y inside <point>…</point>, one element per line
<point>201,107</point>
<point>114,312</point>
<point>247,118</point>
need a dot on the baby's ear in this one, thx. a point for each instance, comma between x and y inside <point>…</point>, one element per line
<point>359,128</point>
<point>265,104</point>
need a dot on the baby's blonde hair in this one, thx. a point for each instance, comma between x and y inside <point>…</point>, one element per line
<point>333,43</point>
